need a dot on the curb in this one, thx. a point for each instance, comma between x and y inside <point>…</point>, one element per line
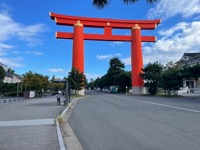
<point>59,133</point>
<point>60,138</point>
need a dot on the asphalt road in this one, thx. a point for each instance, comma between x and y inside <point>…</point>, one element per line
<point>29,125</point>
<point>121,122</point>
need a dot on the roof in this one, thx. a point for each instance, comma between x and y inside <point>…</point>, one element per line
<point>191,54</point>
<point>188,56</point>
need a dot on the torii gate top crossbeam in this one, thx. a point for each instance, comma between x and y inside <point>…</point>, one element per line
<point>101,22</point>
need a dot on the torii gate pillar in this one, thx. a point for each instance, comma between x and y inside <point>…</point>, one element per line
<point>136,60</point>
<point>78,47</point>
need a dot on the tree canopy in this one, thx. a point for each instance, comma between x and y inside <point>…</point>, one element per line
<point>102,3</point>
<point>171,79</point>
<point>115,76</point>
<point>35,81</point>
<point>77,79</point>
<point>2,74</point>
<point>116,67</point>
<point>191,72</point>
<point>152,74</point>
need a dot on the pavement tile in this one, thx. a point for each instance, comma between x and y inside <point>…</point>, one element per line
<point>43,137</point>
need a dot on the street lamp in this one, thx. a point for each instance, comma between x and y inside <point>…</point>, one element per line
<point>67,95</point>
<point>17,90</point>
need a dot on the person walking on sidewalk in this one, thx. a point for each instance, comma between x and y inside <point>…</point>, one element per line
<point>58,98</point>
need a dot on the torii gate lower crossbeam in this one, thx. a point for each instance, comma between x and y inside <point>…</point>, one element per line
<point>135,38</point>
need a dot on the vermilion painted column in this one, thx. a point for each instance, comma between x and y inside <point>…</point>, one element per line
<point>78,47</point>
<point>136,60</point>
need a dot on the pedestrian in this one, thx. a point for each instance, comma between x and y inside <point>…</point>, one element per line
<point>58,99</point>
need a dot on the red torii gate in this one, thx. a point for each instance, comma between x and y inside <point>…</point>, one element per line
<point>135,38</point>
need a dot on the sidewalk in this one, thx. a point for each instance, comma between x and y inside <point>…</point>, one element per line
<point>191,95</point>
<point>37,134</point>
<point>31,125</point>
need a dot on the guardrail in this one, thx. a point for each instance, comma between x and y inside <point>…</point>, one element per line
<point>11,100</point>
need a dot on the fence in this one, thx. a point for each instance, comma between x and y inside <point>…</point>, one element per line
<point>4,101</point>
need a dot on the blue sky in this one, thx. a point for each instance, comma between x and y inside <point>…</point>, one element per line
<point>27,34</point>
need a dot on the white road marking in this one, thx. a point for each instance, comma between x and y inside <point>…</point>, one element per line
<point>158,104</point>
<point>27,122</point>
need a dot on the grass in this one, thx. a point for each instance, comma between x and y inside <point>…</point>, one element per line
<point>167,95</point>
<point>73,96</point>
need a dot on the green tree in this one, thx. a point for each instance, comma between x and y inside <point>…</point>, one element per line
<point>55,87</point>
<point>96,83</point>
<point>111,78</point>
<point>2,74</point>
<point>103,3</point>
<point>77,79</point>
<point>11,71</point>
<point>171,79</point>
<point>116,68</point>
<point>35,81</point>
<point>90,85</point>
<point>124,81</point>
<point>53,78</point>
<point>103,82</point>
<point>192,72</point>
<point>151,74</point>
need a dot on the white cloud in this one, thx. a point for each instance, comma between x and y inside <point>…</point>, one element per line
<point>182,37</point>
<point>187,39</point>
<point>166,9</point>
<point>92,76</point>
<point>12,29</point>
<point>116,43</point>
<point>12,62</point>
<point>179,27</point>
<point>107,57</point>
<point>37,53</point>
<point>162,58</point>
<point>16,52</point>
<point>126,61</point>
<point>4,48</point>
<point>57,70</point>
<point>103,57</point>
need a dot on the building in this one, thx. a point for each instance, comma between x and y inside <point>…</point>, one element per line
<point>10,77</point>
<point>189,60</point>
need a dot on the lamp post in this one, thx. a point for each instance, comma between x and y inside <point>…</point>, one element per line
<point>67,95</point>
<point>17,90</point>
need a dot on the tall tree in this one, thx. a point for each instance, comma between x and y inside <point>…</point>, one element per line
<point>2,74</point>
<point>11,71</point>
<point>77,79</point>
<point>124,81</point>
<point>151,74</point>
<point>116,67</point>
<point>171,79</point>
<point>103,3</point>
<point>53,78</point>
